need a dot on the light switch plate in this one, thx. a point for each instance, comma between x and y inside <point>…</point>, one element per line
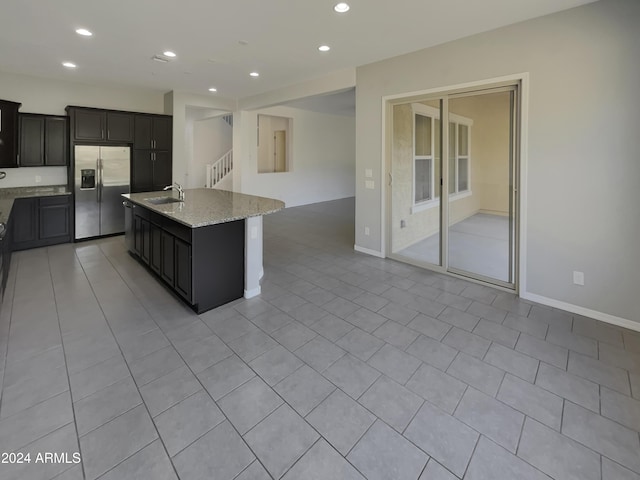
<point>369,184</point>
<point>578,278</point>
<point>368,173</point>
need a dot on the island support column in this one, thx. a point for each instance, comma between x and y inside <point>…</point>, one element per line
<point>253,269</point>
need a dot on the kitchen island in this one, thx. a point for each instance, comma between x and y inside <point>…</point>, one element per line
<point>206,247</point>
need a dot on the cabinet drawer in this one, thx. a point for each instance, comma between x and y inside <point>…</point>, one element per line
<point>55,200</point>
<point>177,230</point>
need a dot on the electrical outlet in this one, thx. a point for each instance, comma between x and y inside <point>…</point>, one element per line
<point>38,178</point>
<point>578,278</point>
<point>368,173</point>
<point>369,184</point>
<point>366,231</point>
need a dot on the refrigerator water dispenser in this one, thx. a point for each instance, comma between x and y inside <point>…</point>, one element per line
<point>88,179</point>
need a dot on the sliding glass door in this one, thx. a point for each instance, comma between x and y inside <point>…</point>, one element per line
<point>458,215</point>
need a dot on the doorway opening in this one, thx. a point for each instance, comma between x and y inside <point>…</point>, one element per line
<point>453,164</point>
<point>274,139</point>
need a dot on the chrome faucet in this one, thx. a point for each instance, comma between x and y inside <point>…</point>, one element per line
<point>178,187</point>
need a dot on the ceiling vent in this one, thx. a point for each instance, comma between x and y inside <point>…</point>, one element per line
<point>160,58</point>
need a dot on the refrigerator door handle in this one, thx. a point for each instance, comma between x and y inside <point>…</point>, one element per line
<point>99,179</point>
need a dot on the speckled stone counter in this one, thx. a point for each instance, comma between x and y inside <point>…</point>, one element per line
<point>207,206</point>
<point>8,195</point>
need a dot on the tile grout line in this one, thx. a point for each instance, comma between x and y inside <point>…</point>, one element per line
<point>158,437</point>
<point>5,354</point>
<point>64,353</point>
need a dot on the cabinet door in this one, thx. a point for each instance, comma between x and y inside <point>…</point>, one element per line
<point>162,133</point>
<point>25,221</point>
<point>143,132</point>
<point>9,134</point>
<point>183,269</point>
<point>168,258</point>
<point>146,241</point>
<point>89,124</point>
<point>31,140</point>
<point>137,235</point>
<point>54,218</point>
<point>155,254</point>
<point>142,171</point>
<point>120,127</point>
<point>162,170</point>
<point>56,142</point>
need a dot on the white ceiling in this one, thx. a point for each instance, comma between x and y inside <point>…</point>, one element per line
<point>282,38</point>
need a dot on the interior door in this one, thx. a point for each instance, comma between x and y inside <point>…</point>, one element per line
<point>280,150</point>
<point>114,171</point>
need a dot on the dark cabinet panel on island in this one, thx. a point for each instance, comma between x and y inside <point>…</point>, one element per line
<point>204,265</point>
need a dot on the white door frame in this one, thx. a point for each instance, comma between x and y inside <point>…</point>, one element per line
<point>387,103</point>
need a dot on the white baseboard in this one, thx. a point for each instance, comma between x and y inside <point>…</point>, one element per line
<point>253,292</point>
<point>368,251</point>
<point>586,312</point>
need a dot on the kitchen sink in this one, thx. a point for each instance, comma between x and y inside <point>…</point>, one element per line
<point>163,200</point>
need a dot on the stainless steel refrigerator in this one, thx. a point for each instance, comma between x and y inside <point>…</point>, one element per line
<point>101,176</point>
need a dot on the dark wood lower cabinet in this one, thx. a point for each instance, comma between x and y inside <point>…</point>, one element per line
<point>54,218</point>
<point>183,268</point>
<point>155,253</point>
<point>25,222</point>
<point>40,221</point>
<point>168,257</point>
<point>204,266</point>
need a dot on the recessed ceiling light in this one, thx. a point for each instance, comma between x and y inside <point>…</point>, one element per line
<point>69,64</point>
<point>341,7</point>
<point>213,89</point>
<point>254,74</point>
<point>169,54</point>
<point>84,32</point>
<point>324,48</point>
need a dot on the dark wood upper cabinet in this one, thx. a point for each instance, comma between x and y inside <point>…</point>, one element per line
<point>88,125</point>
<point>152,132</point>
<point>94,125</point>
<point>31,140</point>
<point>56,141</point>
<point>43,140</point>
<point>8,133</point>
<point>120,127</point>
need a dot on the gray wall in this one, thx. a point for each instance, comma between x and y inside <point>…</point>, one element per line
<point>583,156</point>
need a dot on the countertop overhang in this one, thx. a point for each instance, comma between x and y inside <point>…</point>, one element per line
<point>207,206</point>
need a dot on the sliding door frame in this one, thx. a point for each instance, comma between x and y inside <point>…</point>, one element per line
<point>517,195</point>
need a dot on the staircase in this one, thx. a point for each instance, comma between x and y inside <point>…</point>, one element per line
<point>218,171</point>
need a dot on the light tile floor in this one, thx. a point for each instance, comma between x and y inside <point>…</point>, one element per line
<point>346,367</point>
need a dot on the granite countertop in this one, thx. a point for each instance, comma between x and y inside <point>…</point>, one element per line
<point>208,206</point>
<point>8,195</point>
